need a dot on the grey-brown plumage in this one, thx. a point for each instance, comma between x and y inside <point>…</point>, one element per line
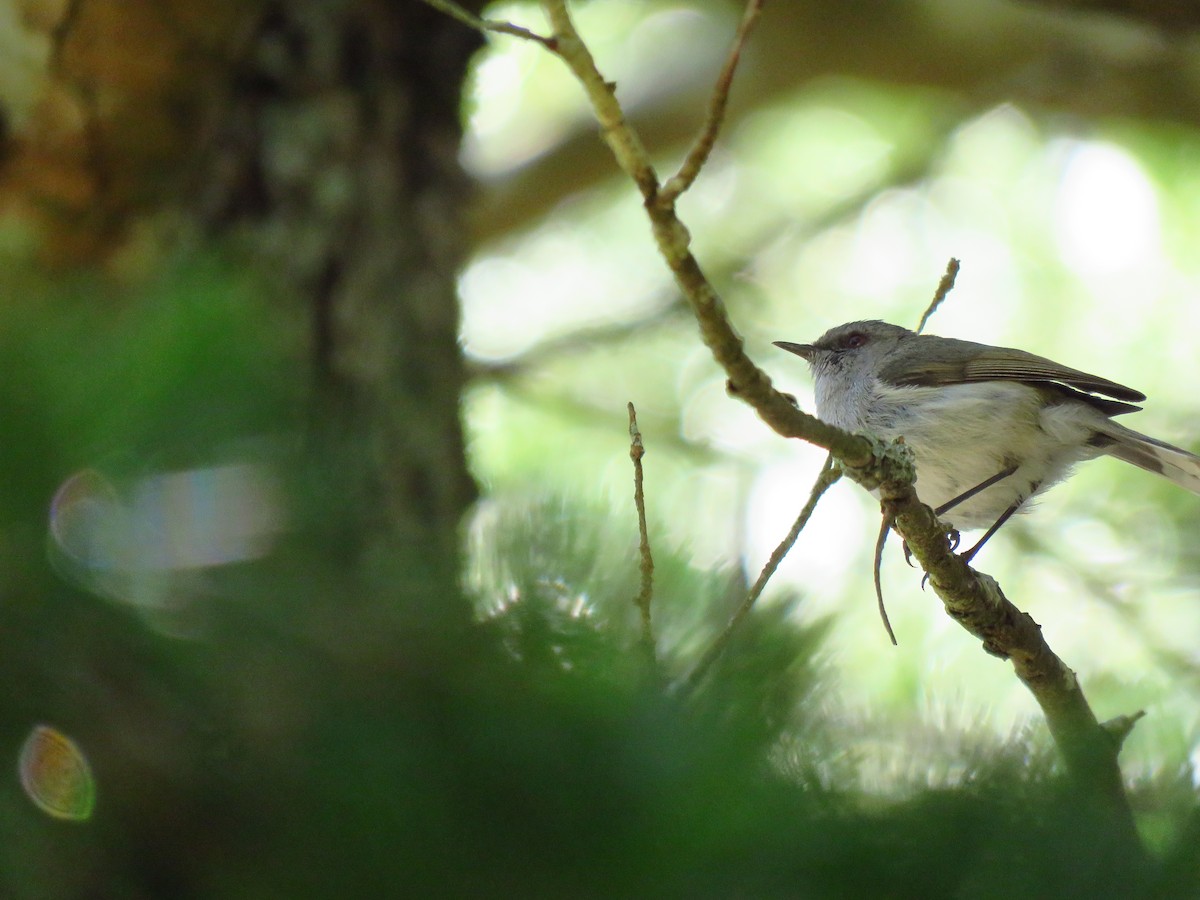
<point>971,412</point>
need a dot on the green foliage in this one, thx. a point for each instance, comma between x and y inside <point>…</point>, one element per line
<point>293,735</point>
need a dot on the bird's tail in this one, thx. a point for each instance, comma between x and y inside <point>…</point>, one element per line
<point>1153,455</point>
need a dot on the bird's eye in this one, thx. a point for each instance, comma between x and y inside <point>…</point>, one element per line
<point>854,341</point>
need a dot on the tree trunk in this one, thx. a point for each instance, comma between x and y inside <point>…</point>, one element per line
<point>337,155</point>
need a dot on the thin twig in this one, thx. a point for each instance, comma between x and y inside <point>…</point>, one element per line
<point>829,474</point>
<point>624,142</point>
<point>884,527</point>
<point>646,592</point>
<point>945,286</point>
<point>715,117</point>
<point>572,343</point>
<point>452,9</point>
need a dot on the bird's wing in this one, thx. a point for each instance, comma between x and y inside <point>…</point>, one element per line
<point>966,362</point>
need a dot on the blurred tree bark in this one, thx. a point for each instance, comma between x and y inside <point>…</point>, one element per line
<point>336,155</point>
<point>318,138</point>
<point>323,134</point>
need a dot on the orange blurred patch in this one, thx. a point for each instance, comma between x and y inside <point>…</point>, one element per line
<point>117,118</point>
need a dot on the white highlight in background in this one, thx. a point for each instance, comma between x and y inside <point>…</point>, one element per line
<point>1106,217</point>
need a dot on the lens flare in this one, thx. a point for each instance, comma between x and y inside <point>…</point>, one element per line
<point>56,775</point>
<point>205,517</point>
<point>86,520</point>
<point>133,544</point>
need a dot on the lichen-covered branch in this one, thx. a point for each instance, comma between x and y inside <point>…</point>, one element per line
<point>977,603</point>
<point>971,598</point>
<point>602,94</point>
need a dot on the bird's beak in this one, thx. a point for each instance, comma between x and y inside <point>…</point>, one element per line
<point>804,351</point>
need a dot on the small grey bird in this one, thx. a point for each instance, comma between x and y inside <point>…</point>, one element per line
<point>990,427</point>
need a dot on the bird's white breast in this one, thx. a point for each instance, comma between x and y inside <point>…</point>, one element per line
<point>963,434</point>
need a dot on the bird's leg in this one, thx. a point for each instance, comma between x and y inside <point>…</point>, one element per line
<point>952,534</point>
<point>971,492</point>
<point>961,498</point>
<point>1004,517</point>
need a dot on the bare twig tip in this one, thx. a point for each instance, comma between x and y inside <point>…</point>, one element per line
<point>636,448</point>
<point>1121,727</point>
<point>646,591</point>
<point>945,286</point>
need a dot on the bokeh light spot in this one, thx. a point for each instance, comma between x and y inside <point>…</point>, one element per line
<point>1106,211</point>
<point>56,775</point>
